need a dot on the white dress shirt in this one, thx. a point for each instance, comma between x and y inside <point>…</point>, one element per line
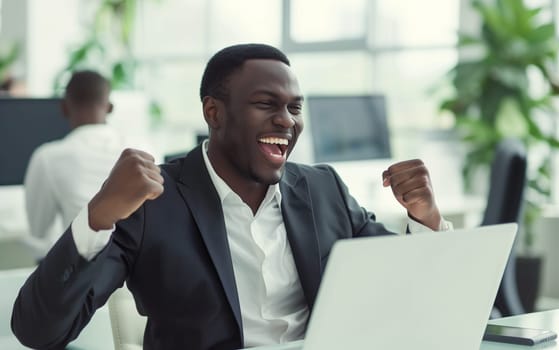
<point>63,175</point>
<point>273,307</point>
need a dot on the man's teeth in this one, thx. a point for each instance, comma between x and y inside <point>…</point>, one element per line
<point>274,140</point>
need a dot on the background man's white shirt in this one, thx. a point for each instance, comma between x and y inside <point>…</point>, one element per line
<point>63,176</point>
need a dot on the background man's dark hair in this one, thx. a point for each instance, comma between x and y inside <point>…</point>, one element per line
<point>87,87</point>
<point>228,60</point>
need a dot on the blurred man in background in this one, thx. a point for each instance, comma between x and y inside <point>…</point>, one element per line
<point>63,175</point>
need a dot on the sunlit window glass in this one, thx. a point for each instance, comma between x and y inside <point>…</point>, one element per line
<point>170,28</point>
<point>233,22</point>
<point>414,23</point>
<point>327,20</point>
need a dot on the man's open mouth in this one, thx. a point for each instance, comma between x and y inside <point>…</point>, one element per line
<point>274,146</point>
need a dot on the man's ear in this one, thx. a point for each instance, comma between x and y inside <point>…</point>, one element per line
<point>212,112</point>
<point>109,108</point>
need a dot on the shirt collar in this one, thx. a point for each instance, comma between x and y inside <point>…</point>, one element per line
<point>223,190</point>
<point>89,128</point>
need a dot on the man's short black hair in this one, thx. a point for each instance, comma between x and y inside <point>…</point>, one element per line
<point>87,87</point>
<point>228,60</point>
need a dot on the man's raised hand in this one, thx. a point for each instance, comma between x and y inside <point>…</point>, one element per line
<point>411,185</point>
<point>134,179</point>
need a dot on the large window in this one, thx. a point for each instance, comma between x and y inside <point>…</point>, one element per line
<point>396,48</point>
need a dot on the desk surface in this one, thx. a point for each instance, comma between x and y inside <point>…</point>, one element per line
<point>543,320</point>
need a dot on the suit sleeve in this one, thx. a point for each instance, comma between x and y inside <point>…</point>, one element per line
<point>61,295</point>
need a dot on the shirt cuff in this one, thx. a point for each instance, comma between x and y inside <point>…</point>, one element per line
<point>88,242</point>
<point>415,227</point>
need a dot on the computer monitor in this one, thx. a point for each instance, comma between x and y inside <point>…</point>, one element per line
<point>25,124</point>
<point>349,128</point>
<point>350,133</point>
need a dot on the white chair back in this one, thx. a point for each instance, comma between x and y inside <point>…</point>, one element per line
<point>128,326</point>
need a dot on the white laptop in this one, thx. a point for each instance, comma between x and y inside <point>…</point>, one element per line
<point>423,291</point>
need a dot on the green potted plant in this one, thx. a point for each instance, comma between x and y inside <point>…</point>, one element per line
<point>505,89</point>
<point>108,47</point>
<point>9,53</point>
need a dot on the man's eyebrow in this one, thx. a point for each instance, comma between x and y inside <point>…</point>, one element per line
<point>298,98</point>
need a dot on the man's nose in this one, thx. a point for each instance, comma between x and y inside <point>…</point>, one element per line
<point>284,118</point>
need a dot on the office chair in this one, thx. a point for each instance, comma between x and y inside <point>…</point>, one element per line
<point>504,205</point>
<point>127,325</point>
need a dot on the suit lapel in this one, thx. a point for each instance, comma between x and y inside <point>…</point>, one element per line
<point>201,196</point>
<point>301,231</point>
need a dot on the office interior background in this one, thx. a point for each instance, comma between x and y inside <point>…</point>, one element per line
<point>398,49</point>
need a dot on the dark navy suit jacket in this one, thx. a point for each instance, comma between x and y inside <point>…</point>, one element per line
<point>173,253</point>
